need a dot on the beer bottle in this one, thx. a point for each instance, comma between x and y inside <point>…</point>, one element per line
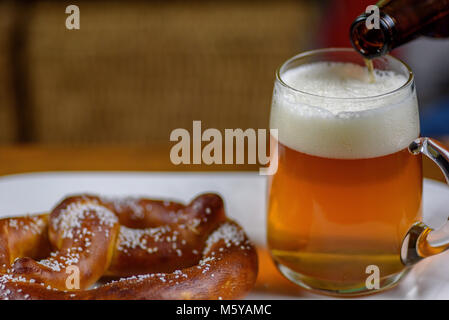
<point>400,21</point>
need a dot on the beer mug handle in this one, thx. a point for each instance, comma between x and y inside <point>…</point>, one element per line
<point>422,241</point>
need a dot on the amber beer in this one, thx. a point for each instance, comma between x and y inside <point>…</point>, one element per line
<point>347,189</point>
<point>330,218</point>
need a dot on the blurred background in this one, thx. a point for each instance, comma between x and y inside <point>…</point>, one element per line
<point>136,70</point>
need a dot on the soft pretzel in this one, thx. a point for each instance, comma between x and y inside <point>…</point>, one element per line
<point>227,270</point>
<point>156,251</point>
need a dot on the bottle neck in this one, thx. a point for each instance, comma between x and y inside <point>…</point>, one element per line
<point>400,22</point>
<point>373,43</point>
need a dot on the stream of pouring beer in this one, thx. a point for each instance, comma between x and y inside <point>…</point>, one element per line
<point>370,66</point>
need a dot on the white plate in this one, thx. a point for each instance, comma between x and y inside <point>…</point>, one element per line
<point>245,199</point>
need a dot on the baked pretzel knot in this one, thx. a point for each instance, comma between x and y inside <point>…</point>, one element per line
<point>153,249</point>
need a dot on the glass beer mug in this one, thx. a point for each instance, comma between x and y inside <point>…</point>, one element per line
<point>347,195</point>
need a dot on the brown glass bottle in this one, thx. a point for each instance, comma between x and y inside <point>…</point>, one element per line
<point>400,22</point>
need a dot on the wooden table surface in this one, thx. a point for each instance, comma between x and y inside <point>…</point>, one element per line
<point>32,158</point>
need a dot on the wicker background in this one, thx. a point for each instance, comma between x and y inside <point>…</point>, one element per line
<point>137,70</point>
<point>8,128</point>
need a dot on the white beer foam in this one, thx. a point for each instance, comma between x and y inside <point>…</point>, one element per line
<point>325,123</point>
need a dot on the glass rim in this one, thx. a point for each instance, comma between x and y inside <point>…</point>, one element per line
<point>310,53</point>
